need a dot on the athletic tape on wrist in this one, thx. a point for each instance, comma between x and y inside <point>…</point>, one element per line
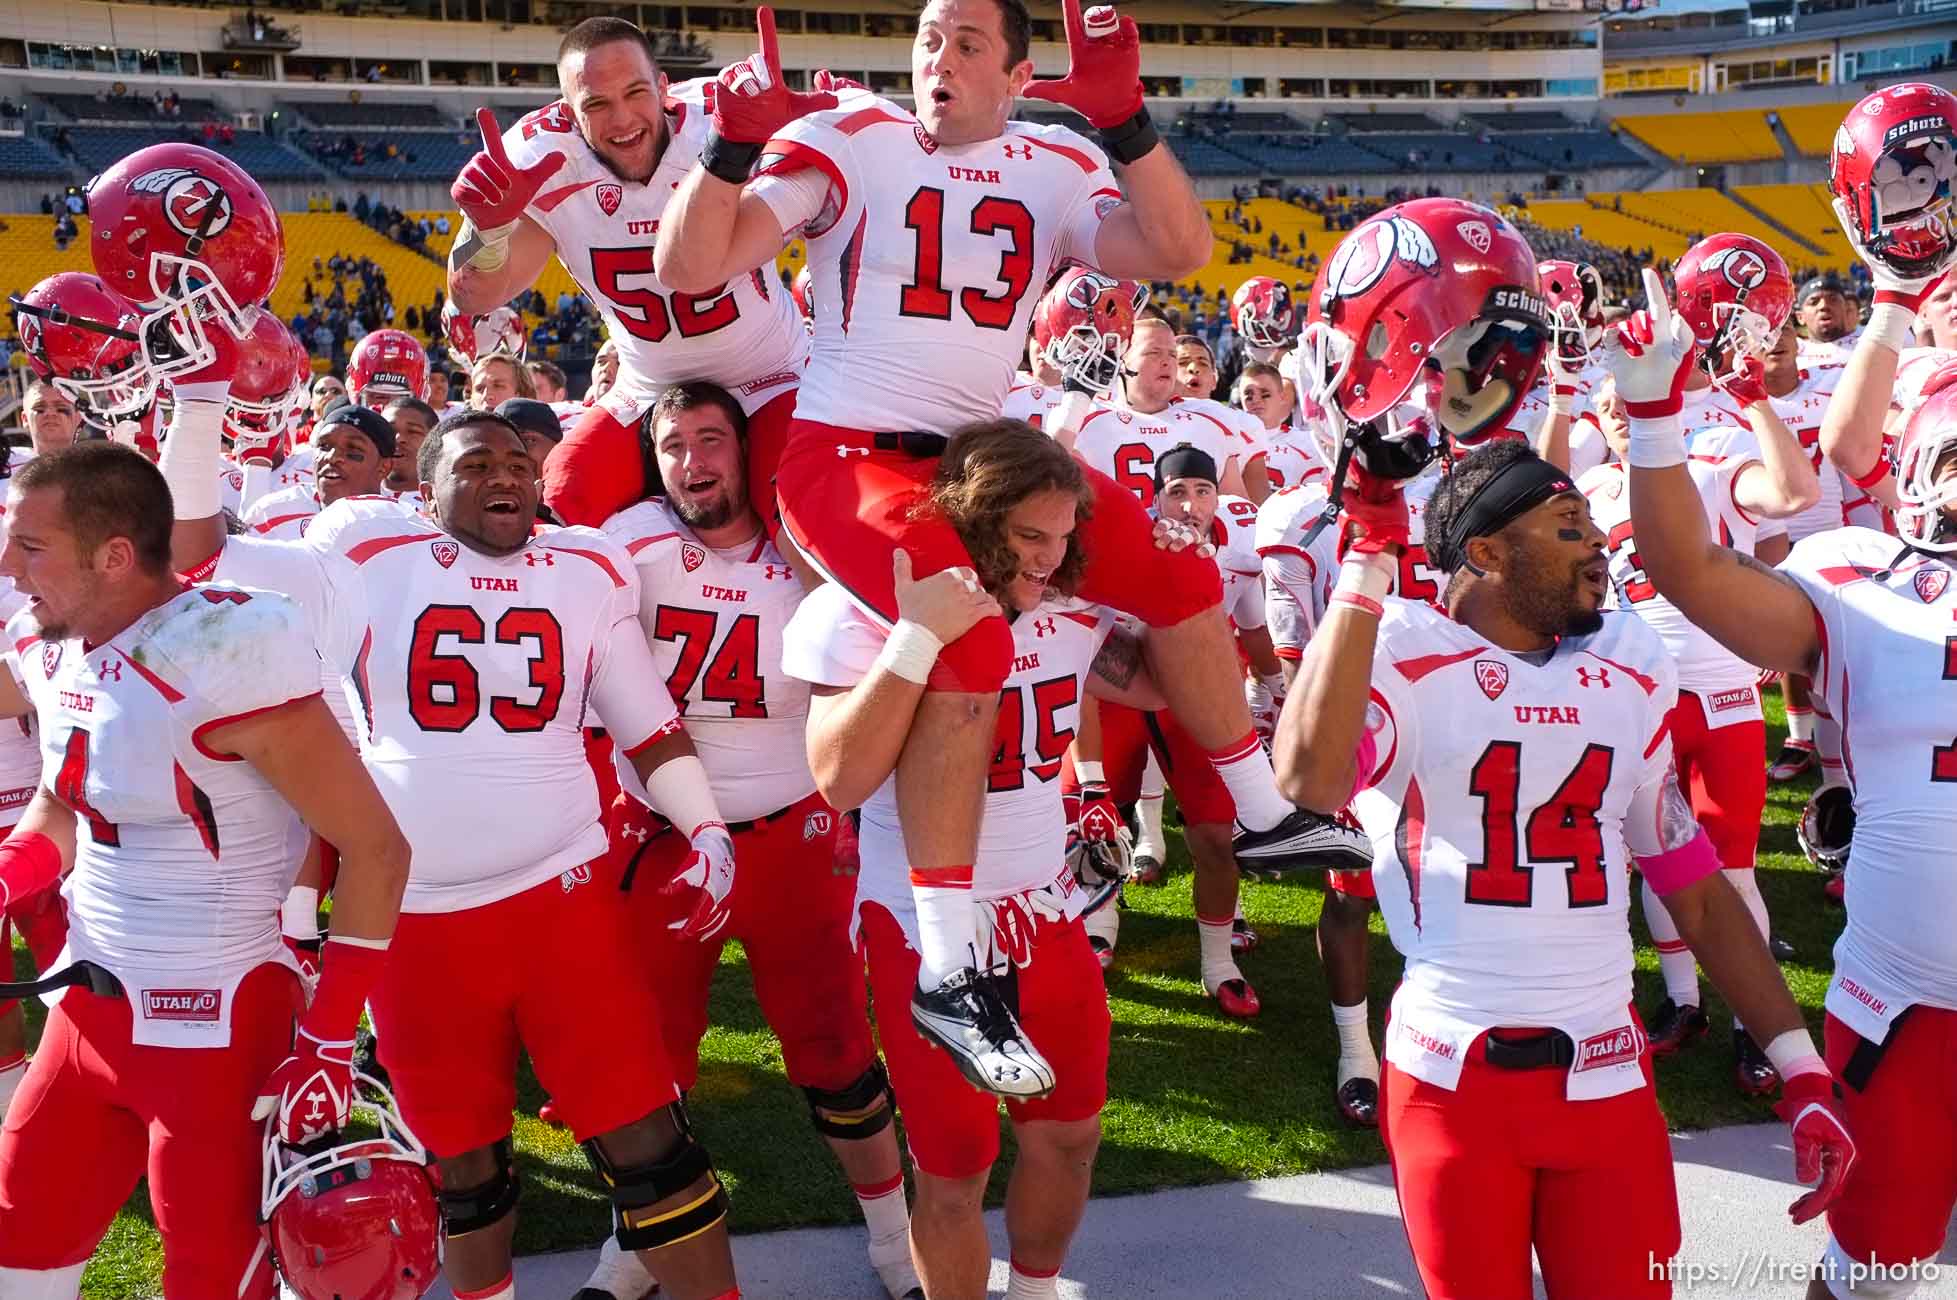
<point>190,459</point>
<point>1090,773</point>
<point>1656,444</point>
<point>910,652</point>
<point>1792,1053</point>
<point>679,792</point>
<point>299,914</point>
<point>1891,324</point>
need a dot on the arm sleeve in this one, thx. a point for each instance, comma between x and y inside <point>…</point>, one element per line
<point>1292,601</point>
<point>1081,229</point>
<point>627,695</point>
<point>804,177</point>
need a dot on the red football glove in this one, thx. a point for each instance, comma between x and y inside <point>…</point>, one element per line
<point>1373,514</point>
<point>702,890</point>
<point>827,80</point>
<point>1099,817</point>
<point>749,102</point>
<point>311,1091</point>
<point>491,190</point>
<point>1823,1148</point>
<point>1749,386</point>
<point>1104,74</point>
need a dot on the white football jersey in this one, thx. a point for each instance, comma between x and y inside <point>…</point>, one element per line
<point>1023,835</point>
<point>1801,411</point>
<point>282,516</point>
<point>1034,403</point>
<point>1914,366</point>
<point>1291,458</point>
<point>715,620</point>
<point>745,336</point>
<point>471,679</point>
<point>182,852</point>
<point>1723,680</point>
<point>927,260</point>
<point>1298,577</point>
<point>1837,352</point>
<point>1124,443</point>
<point>1233,532</point>
<point>1888,657</point>
<point>20,748</point>
<point>1502,791</point>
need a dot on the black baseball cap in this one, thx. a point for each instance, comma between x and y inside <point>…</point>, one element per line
<point>367,420</point>
<point>533,416</point>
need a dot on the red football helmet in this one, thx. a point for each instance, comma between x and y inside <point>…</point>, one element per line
<point>385,365</point>
<point>1083,323</point>
<point>1892,170</point>
<point>1735,293</point>
<point>1923,497</point>
<point>187,236</point>
<point>269,387</point>
<point>356,1220</point>
<point>85,338</point>
<point>1427,316</point>
<point>501,332</point>
<point>1262,313</point>
<point>1574,294</point>
<point>799,289</point>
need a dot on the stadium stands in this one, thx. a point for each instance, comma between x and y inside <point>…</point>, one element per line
<point>1365,122</point>
<point>1524,121</point>
<point>1707,137</point>
<point>28,255</point>
<point>418,155</point>
<point>99,147</point>
<point>1571,150</point>
<point>128,108</point>
<point>1812,126</point>
<point>29,159</point>
<point>1805,210</point>
<point>1444,151</point>
<point>1606,227</point>
<point>387,113</point>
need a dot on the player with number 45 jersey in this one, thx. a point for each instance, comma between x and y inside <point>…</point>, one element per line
<point>588,178</point>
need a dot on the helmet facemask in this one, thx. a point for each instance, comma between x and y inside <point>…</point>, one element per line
<point>1926,490</point>
<point>1911,226</point>
<point>1087,357</point>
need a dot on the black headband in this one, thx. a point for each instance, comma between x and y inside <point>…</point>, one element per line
<point>1517,488</point>
<point>1184,461</point>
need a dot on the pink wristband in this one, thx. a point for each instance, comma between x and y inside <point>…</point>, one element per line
<point>1366,603</point>
<point>1682,866</point>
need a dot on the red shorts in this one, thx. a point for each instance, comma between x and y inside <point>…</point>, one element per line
<point>601,466</point>
<point>1723,771</point>
<point>553,970</point>
<point>952,1127</point>
<point>848,505</point>
<point>1896,1204</point>
<point>95,1113</point>
<point>1504,1163</point>
<point>1127,736</point>
<point>791,913</point>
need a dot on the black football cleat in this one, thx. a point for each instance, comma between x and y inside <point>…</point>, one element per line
<point>1148,869</point>
<point>1782,950</point>
<point>1242,937</point>
<point>1753,1073</point>
<point>1673,1027</point>
<point>968,1017</point>
<point>1795,758</point>
<point>1303,841</point>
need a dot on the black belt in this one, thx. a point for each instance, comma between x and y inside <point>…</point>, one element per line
<point>924,446</point>
<point>735,828</point>
<point>1536,1052</point>
<point>98,980</point>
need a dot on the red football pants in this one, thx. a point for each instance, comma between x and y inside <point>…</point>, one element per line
<point>43,921</point>
<point>1127,736</point>
<point>791,912</point>
<point>848,506</point>
<point>1723,771</point>
<point>1897,1201</point>
<point>95,1113</point>
<point>1504,1163</point>
<point>600,467</point>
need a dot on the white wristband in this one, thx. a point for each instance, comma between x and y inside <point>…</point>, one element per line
<point>1368,575</point>
<point>1560,402</point>
<point>1793,1053</point>
<point>492,245</point>
<point>910,651</point>
<point>678,791</point>
<point>299,914</point>
<point>1656,444</point>
<point>1090,773</point>
<point>190,460</point>
<point>1891,324</point>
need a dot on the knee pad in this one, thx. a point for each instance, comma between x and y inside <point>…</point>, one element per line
<point>870,1087</point>
<point>471,1209</point>
<point>637,1190</point>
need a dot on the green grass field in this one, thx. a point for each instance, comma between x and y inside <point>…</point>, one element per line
<point>1195,1098</point>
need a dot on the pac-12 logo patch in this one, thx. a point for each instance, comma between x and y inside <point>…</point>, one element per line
<point>691,556</point>
<point>445,552</point>
<point>1492,675</point>
<point>609,197</point>
<point>1930,583</point>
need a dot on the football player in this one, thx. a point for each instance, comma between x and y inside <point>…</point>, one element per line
<point>181,1021</point>
<point>1015,497</point>
<point>495,379</point>
<point>412,418</point>
<point>933,335</point>
<point>51,418</point>
<point>353,456</point>
<point>1509,756</point>
<point>1195,367</point>
<point>589,178</point>
<point>715,599</point>
<point>1830,323</point>
<point>1123,439</point>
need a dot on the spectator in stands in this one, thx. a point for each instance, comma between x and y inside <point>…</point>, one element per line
<point>361,207</point>
<point>51,420</point>
<point>547,377</point>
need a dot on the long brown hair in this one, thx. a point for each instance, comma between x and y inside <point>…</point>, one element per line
<point>992,466</point>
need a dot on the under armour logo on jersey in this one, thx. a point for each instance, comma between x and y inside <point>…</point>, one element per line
<point>632,833</point>
<point>1596,676</point>
<point>772,571</point>
<point>844,453</point>
<point>1046,626</point>
<point>110,670</point>
<point>540,558</point>
<point>1020,151</point>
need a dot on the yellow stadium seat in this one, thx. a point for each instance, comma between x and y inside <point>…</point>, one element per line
<point>1612,229</point>
<point>1812,126</point>
<point>28,256</point>
<point>1805,210</point>
<point>1738,136</point>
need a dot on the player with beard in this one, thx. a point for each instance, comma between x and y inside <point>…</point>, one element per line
<point>1830,325</point>
<point>588,178</point>
<point>715,599</point>
<point>1509,756</point>
<point>353,456</point>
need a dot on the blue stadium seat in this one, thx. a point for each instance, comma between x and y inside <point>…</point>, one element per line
<point>1359,123</point>
<point>25,158</point>
<point>131,108</point>
<point>382,114</point>
<point>100,147</point>
<point>420,155</point>
<point>1573,149</point>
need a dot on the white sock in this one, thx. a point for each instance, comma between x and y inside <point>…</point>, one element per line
<point>1675,960</point>
<point>946,921</point>
<point>63,1283</point>
<point>1356,1057</point>
<point>1246,771</point>
<point>1104,923</point>
<point>620,1273</point>
<point>1148,823</point>
<point>1800,725</point>
<point>504,1290</point>
<point>1032,1286</point>
<point>1219,966</point>
<point>888,1217</point>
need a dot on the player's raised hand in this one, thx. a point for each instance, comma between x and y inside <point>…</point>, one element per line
<point>1748,387</point>
<point>491,190</point>
<point>1650,356</point>
<point>946,604</point>
<point>1823,1149</point>
<point>831,81</point>
<point>1104,75</point>
<point>749,101</point>
<point>1373,516</point>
